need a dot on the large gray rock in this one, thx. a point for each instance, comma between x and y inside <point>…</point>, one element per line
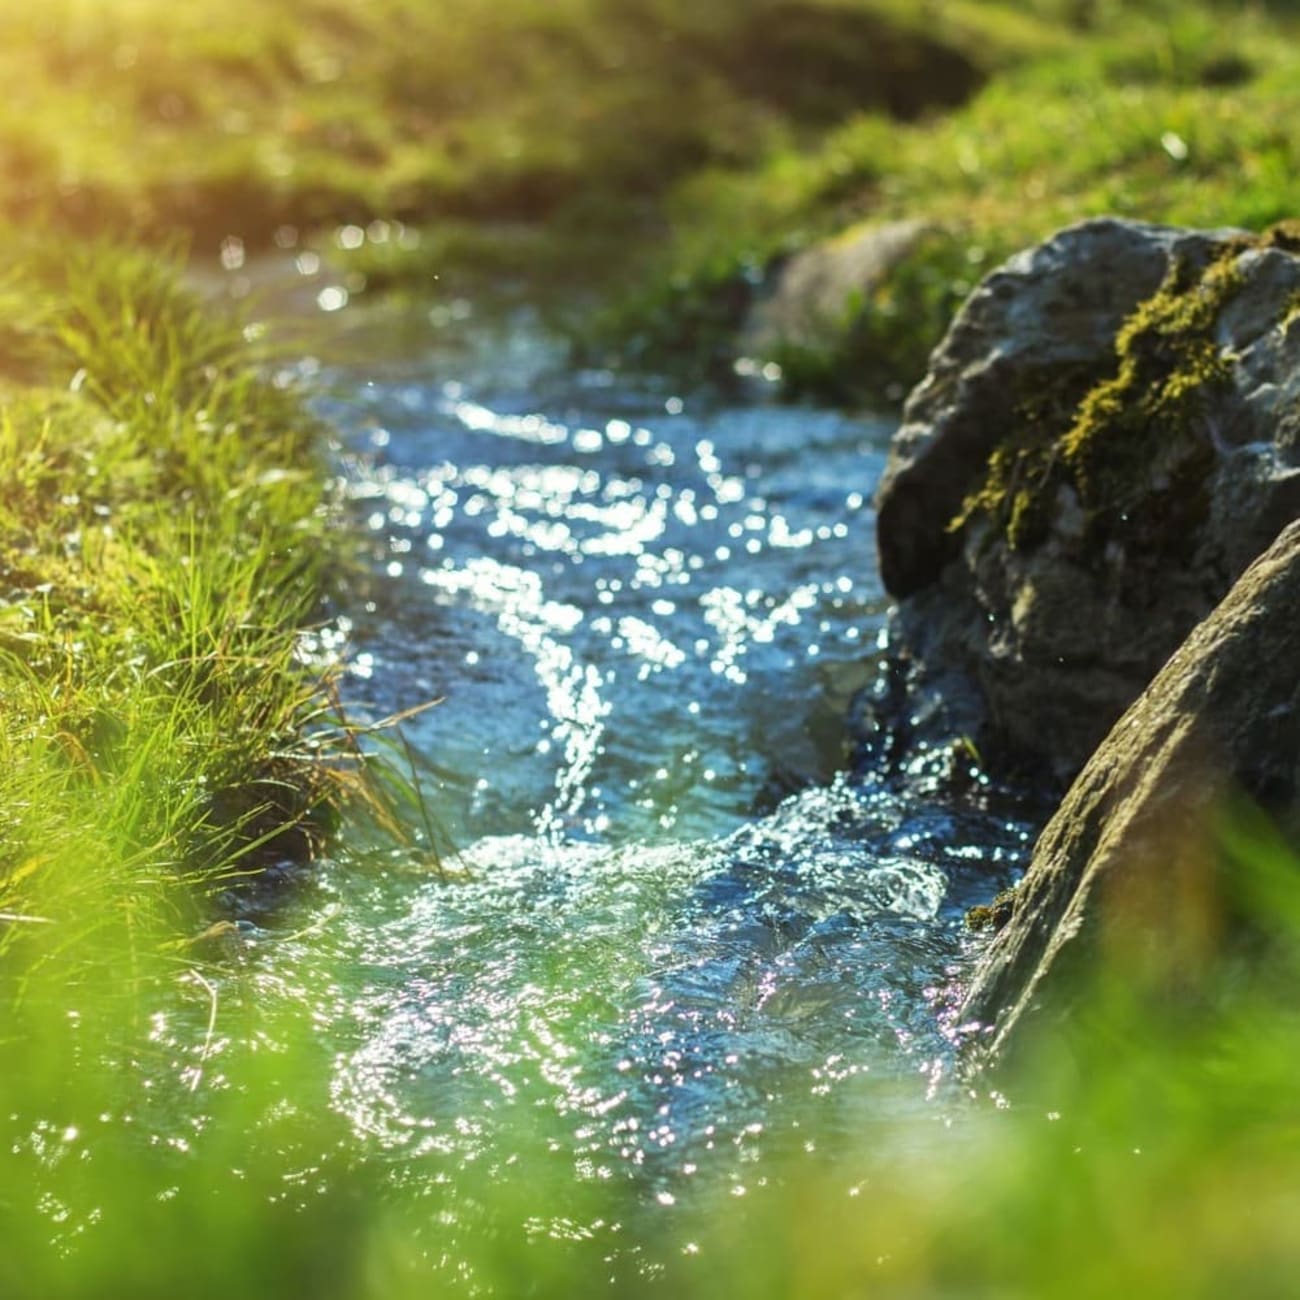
<point>1126,871</point>
<point>1107,436</point>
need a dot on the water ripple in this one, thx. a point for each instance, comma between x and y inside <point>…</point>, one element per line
<point>646,620</point>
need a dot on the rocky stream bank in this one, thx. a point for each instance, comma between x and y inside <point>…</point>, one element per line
<point>1087,520</point>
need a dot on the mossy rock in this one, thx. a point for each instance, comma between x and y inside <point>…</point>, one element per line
<point>1105,439</point>
<point>994,915</point>
<point>1134,446</point>
<point>1134,881</point>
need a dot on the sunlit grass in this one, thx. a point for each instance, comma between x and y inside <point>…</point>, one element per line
<point>239,117</point>
<point>1174,112</point>
<point>166,529</point>
<point>664,144</point>
<point>164,532</point>
<point>662,161</point>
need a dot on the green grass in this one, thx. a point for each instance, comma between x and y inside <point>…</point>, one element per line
<point>1176,112</point>
<point>672,151</point>
<point>164,532</point>
<point>242,117</point>
<point>167,528</point>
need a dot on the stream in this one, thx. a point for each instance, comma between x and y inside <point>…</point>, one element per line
<point>674,946</point>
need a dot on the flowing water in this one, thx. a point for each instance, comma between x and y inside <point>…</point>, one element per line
<point>677,937</point>
<point>675,945</point>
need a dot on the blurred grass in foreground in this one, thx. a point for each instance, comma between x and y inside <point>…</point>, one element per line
<point>1155,1153</point>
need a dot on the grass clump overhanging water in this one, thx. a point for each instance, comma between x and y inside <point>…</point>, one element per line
<point>164,533</point>
<point>166,529</point>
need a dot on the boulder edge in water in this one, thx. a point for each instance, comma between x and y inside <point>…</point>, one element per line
<point>1127,869</point>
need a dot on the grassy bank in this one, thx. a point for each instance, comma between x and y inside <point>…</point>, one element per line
<point>1161,111</point>
<point>239,118</point>
<point>164,532</point>
<point>166,529</point>
<point>672,153</point>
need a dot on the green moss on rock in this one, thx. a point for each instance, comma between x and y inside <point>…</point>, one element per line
<point>1154,409</point>
<point>1135,443</point>
<point>992,916</point>
<point>1016,490</point>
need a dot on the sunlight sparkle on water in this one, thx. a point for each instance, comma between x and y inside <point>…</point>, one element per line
<point>632,614</point>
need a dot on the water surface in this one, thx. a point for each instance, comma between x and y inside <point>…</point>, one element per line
<point>678,941</point>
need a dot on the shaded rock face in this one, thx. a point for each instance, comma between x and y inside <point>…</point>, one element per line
<point>1126,870</point>
<point>1107,436</point>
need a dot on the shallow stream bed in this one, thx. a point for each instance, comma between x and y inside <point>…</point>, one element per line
<point>651,944</point>
<point>678,940</point>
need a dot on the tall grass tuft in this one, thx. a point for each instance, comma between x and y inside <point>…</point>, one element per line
<point>165,530</point>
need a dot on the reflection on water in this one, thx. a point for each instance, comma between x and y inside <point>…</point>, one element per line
<point>657,607</point>
<point>684,950</point>
<point>697,985</point>
<point>645,615</point>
